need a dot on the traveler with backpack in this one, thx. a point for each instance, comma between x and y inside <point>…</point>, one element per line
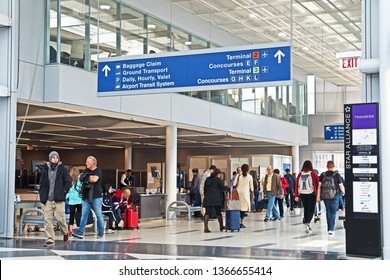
<point>330,183</point>
<point>306,187</point>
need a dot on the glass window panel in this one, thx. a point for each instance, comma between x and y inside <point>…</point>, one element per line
<point>54,42</point>
<point>248,100</point>
<point>73,32</point>
<point>271,102</point>
<point>180,40</point>
<point>259,101</point>
<point>233,98</point>
<point>158,35</point>
<point>198,43</point>
<point>134,31</point>
<point>105,41</point>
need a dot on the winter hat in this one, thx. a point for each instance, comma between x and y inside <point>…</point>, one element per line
<point>52,154</point>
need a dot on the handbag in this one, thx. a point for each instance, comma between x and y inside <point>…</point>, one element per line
<point>235,195</point>
<point>233,202</point>
<point>263,204</point>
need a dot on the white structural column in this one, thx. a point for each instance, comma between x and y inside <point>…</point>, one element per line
<point>384,115</point>
<point>8,97</point>
<point>128,157</point>
<point>171,163</point>
<point>295,159</point>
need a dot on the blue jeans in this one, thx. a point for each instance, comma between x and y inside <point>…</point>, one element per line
<point>332,206</point>
<point>271,207</point>
<point>257,193</point>
<point>97,208</point>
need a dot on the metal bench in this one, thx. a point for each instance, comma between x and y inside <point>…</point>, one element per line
<point>181,206</point>
<point>38,219</point>
<point>27,218</point>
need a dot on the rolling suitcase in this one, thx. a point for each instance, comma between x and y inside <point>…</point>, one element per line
<point>130,218</point>
<point>233,220</point>
<point>232,213</point>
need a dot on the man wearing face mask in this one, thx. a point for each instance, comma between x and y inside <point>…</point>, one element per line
<point>54,184</point>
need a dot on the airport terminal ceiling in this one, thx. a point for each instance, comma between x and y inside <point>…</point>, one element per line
<point>320,29</point>
<point>59,126</point>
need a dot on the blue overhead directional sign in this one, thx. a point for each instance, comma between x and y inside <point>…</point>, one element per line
<point>208,69</point>
<point>334,132</point>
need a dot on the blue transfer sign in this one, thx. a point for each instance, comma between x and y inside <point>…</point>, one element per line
<point>209,69</point>
<point>334,132</point>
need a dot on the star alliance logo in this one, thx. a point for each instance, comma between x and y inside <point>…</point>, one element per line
<point>347,109</point>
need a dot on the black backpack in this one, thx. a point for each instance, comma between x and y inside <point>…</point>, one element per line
<point>328,186</point>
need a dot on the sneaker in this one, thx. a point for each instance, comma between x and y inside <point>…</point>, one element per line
<point>242,226</point>
<point>66,237</point>
<point>120,224</point>
<point>331,232</point>
<point>100,236</point>
<point>48,244</point>
<point>307,228</point>
<point>110,230</point>
<point>265,220</point>
<point>78,235</point>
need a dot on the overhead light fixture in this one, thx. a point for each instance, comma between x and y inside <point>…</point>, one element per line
<point>62,147</point>
<point>188,43</point>
<point>252,15</point>
<point>109,146</point>
<point>105,7</point>
<point>282,35</point>
<point>305,48</point>
<point>151,26</point>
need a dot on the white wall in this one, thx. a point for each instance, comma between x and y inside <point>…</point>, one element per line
<point>31,50</point>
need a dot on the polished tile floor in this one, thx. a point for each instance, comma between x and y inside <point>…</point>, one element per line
<point>183,239</point>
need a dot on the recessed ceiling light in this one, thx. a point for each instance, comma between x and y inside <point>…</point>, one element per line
<point>105,7</point>
<point>252,15</point>
<point>188,43</point>
<point>282,35</point>
<point>305,48</point>
<point>151,26</point>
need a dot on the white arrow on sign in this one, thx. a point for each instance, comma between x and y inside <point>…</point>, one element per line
<point>279,54</point>
<point>106,69</point>
<point>327,128</point>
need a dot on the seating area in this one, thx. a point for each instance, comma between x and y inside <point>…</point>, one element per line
<point>183,207</point>
<point>33,216</point>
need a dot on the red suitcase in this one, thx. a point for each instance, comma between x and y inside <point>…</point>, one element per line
<point>130,218</point>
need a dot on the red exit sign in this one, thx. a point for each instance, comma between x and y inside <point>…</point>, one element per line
<point>349,62</point>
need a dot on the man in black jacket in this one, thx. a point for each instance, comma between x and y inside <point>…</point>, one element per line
<point>54,184</point>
